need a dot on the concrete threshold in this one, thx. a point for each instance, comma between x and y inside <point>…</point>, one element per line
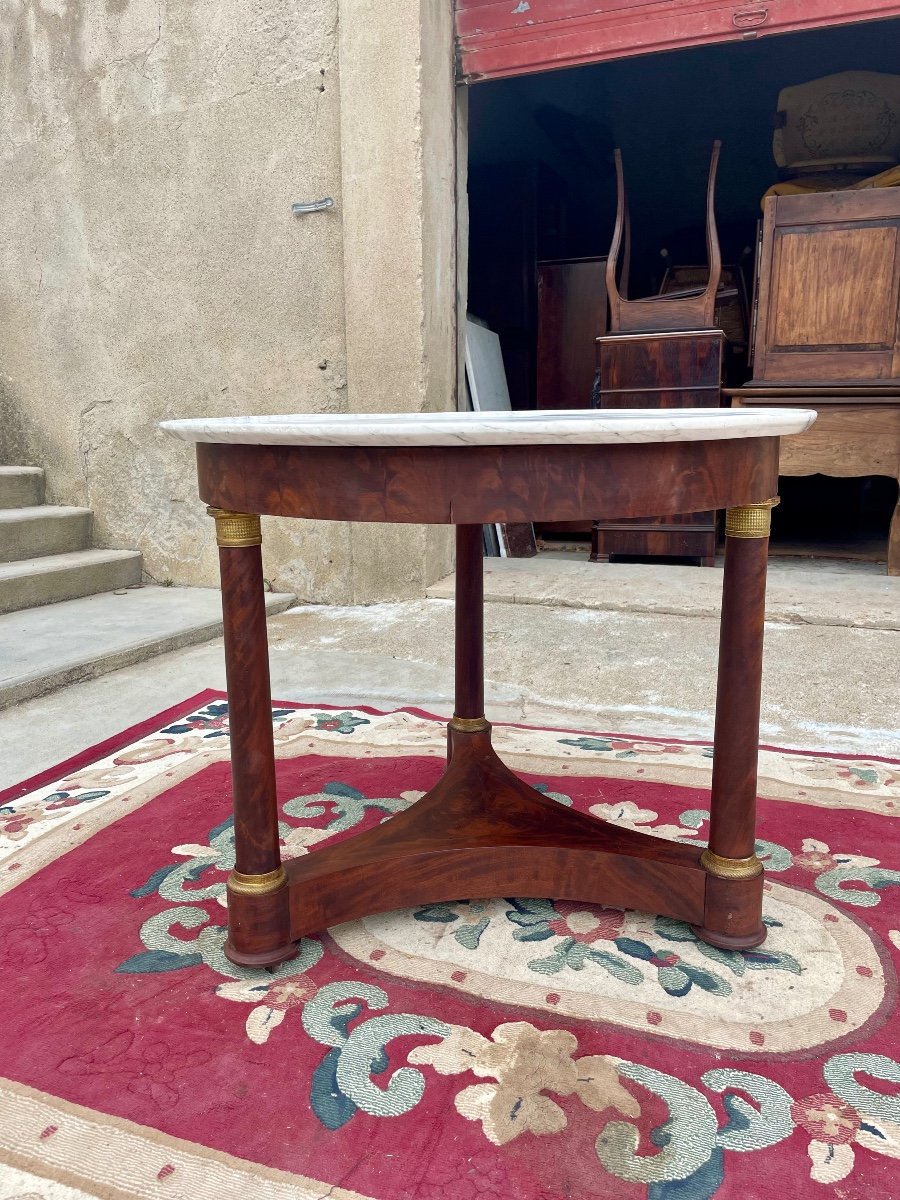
<point>798,593</point>
<point>45,648</point>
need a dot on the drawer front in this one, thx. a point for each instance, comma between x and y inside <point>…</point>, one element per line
<point>681,366</point>
<point>848,441</point>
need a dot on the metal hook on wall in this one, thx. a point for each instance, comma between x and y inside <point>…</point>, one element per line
<point>311,206</point>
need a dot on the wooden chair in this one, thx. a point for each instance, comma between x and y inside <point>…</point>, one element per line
<point>693,308</point>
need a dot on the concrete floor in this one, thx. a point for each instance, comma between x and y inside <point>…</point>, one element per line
<point>826,686</point>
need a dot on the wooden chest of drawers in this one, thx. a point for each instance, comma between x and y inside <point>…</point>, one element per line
<point>660,370</point>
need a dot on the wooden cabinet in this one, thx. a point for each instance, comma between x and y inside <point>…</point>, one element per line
<point>660,370</point>
<point>517,217</point>
<point>829,290</point>
<point>571,316</point>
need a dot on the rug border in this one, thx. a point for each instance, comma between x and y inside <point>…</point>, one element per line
<point>110,745</point>
<point>66,1169</point>
<point>152,723</point>
<point>604,733</point>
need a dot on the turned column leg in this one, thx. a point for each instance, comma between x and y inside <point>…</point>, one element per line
<point>258,923</point>
<point>733,910</point>
<point>468,713</point>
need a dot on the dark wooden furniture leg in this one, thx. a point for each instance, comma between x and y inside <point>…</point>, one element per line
<point>734,885</point>
<point>258,919</point>
<point>469,702</point>
<point>468,709</point>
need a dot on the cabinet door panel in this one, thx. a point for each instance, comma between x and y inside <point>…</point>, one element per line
<point>808,310</point>
<point>829,289</point>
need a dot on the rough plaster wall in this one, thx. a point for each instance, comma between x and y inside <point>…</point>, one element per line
<point>398,184</point>
<point>149,263</point>
<point>150,266</point>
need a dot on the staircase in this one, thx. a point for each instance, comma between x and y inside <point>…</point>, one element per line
<point>45,549</point>
<point>69,613</point>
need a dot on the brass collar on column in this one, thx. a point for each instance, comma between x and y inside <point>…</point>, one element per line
<point>750,520</point>
<point>256,885</point>
<point>235,530</point>
<point>469,724</point>
<point>730,868</point>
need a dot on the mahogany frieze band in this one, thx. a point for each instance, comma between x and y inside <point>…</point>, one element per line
<point>461,485</point>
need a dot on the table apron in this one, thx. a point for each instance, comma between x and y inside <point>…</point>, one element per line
<point>462,485</point>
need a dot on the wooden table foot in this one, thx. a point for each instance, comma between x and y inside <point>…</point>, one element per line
<point>732,918</point>
<point>258,920</point>
<point>263,958</point>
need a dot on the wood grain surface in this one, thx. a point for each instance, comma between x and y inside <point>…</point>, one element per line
<point>852,437</point>
<point>477,484</point>
<point>682,370</point>
<point>829,289</point>
<point>249,710</point>
<point>481,831</point>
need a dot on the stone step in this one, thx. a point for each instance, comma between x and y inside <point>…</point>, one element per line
<point>45,648</point>
<point>21,487</point>
<point>43,529</point>
<point>32,582</point>
<point>799,591</point>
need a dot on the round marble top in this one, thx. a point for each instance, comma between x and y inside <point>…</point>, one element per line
<point>541,427</point>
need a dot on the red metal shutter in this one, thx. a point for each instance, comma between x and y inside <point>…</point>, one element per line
<point>514,37</point>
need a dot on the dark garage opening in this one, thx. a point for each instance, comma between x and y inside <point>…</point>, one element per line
<point>542,187</point>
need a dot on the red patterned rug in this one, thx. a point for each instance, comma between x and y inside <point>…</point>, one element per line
<point>511,1048</point>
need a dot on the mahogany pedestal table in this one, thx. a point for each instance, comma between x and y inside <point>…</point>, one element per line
<point>481,830</point>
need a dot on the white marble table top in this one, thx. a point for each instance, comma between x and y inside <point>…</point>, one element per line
<point>541,427</point>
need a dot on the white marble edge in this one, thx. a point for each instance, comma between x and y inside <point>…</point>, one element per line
<point>538,427</point>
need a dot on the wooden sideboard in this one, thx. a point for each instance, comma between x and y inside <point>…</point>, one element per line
<point>856,433</point>
<point>827,333</point>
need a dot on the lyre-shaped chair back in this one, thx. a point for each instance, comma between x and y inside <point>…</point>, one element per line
<point>660,313</point>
